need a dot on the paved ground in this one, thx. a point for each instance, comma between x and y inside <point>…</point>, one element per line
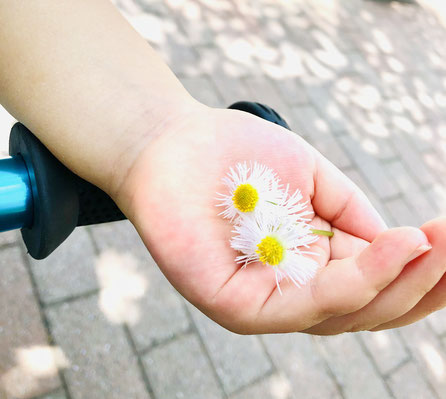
<point>365,83</point>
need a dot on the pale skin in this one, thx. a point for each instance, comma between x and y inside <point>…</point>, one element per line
<point>104,103</point>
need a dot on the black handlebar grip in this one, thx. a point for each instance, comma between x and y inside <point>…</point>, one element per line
<point>61,199</point>
<point>95,206</point>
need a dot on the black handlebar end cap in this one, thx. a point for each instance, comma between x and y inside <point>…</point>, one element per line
<point>262,111</point>
<point>55,199</point>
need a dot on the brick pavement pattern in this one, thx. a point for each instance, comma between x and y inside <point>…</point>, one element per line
<point>362,81</point>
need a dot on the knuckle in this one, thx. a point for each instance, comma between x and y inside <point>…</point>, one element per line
<point>325,305</point>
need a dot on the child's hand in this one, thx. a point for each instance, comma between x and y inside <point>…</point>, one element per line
<point>169,195</point>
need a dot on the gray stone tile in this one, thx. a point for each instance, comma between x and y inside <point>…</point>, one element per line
<point>230,88</point>
<point>120,236</point>
<point>386,349</point>
<point>238,359</point>
<point>330,148</point>
<point>401,214</point>
<point>277,386</point>
<point>412,159</point>
<point>357,178</point>
<point>407,383</point>
<point>401,176</point>
<point>372,169</point>
<point>133,289</point>
<point>59,394</point>
<point>27,362</point>
<point>201,88</point>
<point>9,237</point>
<point>437,321</point>
<point>292,91</point>
<point>309,123</point>
<point>162,312</point>
<point>180,369</point>
<point>428,354</point>
<point>353,370</point>
<point>101,362</point>
<point>263,91</point>
<point>424,208</point>
<point>328,108</point>
<point>299,358</point>
<point>68,271</point>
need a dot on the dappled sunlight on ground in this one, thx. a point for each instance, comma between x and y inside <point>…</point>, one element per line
<point>122,285</point>
<point>33,364</point>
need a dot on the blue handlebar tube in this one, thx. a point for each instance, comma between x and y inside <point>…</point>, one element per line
<point>16,204</point>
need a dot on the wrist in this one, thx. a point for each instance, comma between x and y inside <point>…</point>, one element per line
<point>149,122</point>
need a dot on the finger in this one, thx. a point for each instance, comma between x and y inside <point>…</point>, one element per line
<point>435,299</point>
<point>344,245</point>
<point>417,278</point>
<point>338,200</point>
<point>342,287</point>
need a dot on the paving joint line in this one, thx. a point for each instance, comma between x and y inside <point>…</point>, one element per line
<point>44,319</point>
<point>196,331</point>
<point>163,342</point>
<point>141,368</point>
<point>72,298</point>
<point>323,356</point>
<point>418,366</point>
<point>374,365</point>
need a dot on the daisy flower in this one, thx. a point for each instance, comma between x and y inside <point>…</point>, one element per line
<point>292,207</point>
<point>253,189</point>
<point>279,243</point>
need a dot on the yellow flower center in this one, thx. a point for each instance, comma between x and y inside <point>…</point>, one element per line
<point>245,198</point>
<point>270,251</point>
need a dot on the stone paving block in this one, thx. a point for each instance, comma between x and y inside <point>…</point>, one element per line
<point>299,358</point>
<point>352,368</point>
<point>372,169</point>
<point>309,124</point>
<point>9,237</point>
<point>27,367</point>
<point>412,160</point>
<point>60,394</point>
<point>292,91</point>
<point>68,271</point>
<point>328,108</point>
<point>161,312</point>
<point>407,383</point>
<point>437,321</point>
<point>181,58</point>
<point>133,289</point>
<point>428,353</point>
<point>263,91</point>
<point>121,236</point>
<point>180,369</point>
<point>401,214</point>
<point>277,386</point>
<point>231,89</point>
<point>386,349</point>
<point>192,18</point>
<point>423,206</point>
<point>401,176</point>
<point>101,361</point>
<point>378,204</point>
<point>330,149</point>
<point>238,359</point>
<point>202,89</point>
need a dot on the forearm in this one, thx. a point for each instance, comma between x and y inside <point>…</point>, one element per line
<point>79,76</point>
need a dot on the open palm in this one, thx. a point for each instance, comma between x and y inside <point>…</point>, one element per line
<point>366,279</point>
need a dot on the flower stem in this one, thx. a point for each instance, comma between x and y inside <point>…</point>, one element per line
<point>322,232</point>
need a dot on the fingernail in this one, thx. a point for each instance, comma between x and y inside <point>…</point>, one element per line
<point>419,251</point>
